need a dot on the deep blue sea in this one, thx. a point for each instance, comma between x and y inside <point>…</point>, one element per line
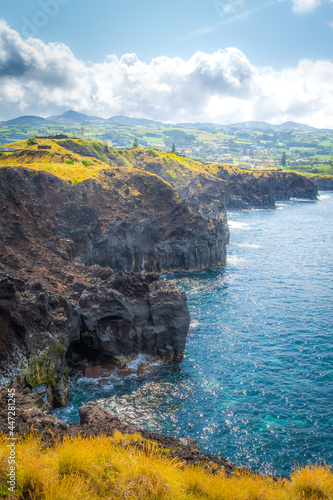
<point>256,381</point>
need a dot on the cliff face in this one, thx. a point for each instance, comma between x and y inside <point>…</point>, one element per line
<point>64,238</point>
<point>116,316</point>
<point>208,188</point>
<point>128,220</point>
<point>323,182</point>
<point>211,188</point>
<point>54,290</point>
<point>262,189</point>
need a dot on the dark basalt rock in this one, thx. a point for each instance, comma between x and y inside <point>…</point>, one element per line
<point>54,290</point>
<point>37,328</point>
<point>221,187</point>
<point>33,412</point>
<point>323,182</point>
<point>153,231</point>
<point>154,321</point>
<point>262,189</point>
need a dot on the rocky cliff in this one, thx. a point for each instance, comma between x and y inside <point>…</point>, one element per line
<point>125,218</point>
<point>263,188</point>
<point>116,316</point>
<point>61,245</point>
<point>323,182</point>
<point>208,188</point>
<point>66,237</point>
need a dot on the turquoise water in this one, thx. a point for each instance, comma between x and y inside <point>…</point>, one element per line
<point>256,382</point>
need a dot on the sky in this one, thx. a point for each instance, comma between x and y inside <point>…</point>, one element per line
<point>220,61</point>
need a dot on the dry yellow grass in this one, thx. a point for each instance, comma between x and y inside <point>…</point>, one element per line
<point>57,161</point>
<point>76,160</point>
<point>127,467</point>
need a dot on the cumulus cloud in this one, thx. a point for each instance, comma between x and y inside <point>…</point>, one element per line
<point>300,94</point>
<point>304,6</point>
<point>44,79</point>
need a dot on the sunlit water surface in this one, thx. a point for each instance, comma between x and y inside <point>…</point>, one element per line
<point>256,382</point>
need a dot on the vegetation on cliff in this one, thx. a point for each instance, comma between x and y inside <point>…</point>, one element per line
<point>129,467</point>
<point>250,143</point>
<point>62,213</point>
<point>75,160</point>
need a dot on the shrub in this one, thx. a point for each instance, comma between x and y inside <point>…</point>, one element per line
<point>87,163</point>
<point>312,483</point>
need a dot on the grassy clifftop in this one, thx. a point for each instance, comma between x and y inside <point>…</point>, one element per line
<point>127,185</point>
<point>59,161</point>
<point>129,467</point>
<point>76,160</point>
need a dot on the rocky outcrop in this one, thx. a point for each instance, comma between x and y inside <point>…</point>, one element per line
<point>206,196</point>
<point>128,220</point>
<point>117,316</point>
<point>135,315</point>
<point>262,189</point>
<point>323,182</point>
<point>203,184</point>
<point>57,286</point>
<point>33,412</point>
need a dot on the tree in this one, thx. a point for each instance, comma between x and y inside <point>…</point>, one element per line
<point>135,143</point>
<point>173,149</point>
<point>284,159</point>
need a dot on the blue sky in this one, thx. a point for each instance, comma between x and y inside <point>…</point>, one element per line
<point>269,32</point>
<point>248,53</point>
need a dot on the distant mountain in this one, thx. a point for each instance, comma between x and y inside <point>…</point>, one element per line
<point>126,120</point>
<point>71,117</point>
<point>198,125</point>
<point>26,120</point>
<point>253,125</point>
<point>295,126</point>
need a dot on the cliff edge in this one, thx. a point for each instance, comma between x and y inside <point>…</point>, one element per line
<point>82,247</point>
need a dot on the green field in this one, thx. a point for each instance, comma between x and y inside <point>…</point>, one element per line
<point>310,152</point>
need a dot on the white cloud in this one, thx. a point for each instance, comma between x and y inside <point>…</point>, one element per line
<point>304,6</point>
<point>44,79</point>
<point>301,94</point>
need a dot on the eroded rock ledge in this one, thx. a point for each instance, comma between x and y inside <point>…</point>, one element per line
<point>116,316</point>
<point>57,286</point>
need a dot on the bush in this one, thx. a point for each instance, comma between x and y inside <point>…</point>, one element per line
<point>87,163</point>
<point>151,153</point>
<point>32,141</point>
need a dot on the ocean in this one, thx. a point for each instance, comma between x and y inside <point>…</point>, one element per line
<point>256,382</point>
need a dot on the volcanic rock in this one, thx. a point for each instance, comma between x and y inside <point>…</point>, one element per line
<point>53,290</point>
<point>93,371</point>
<point>323,182</point>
